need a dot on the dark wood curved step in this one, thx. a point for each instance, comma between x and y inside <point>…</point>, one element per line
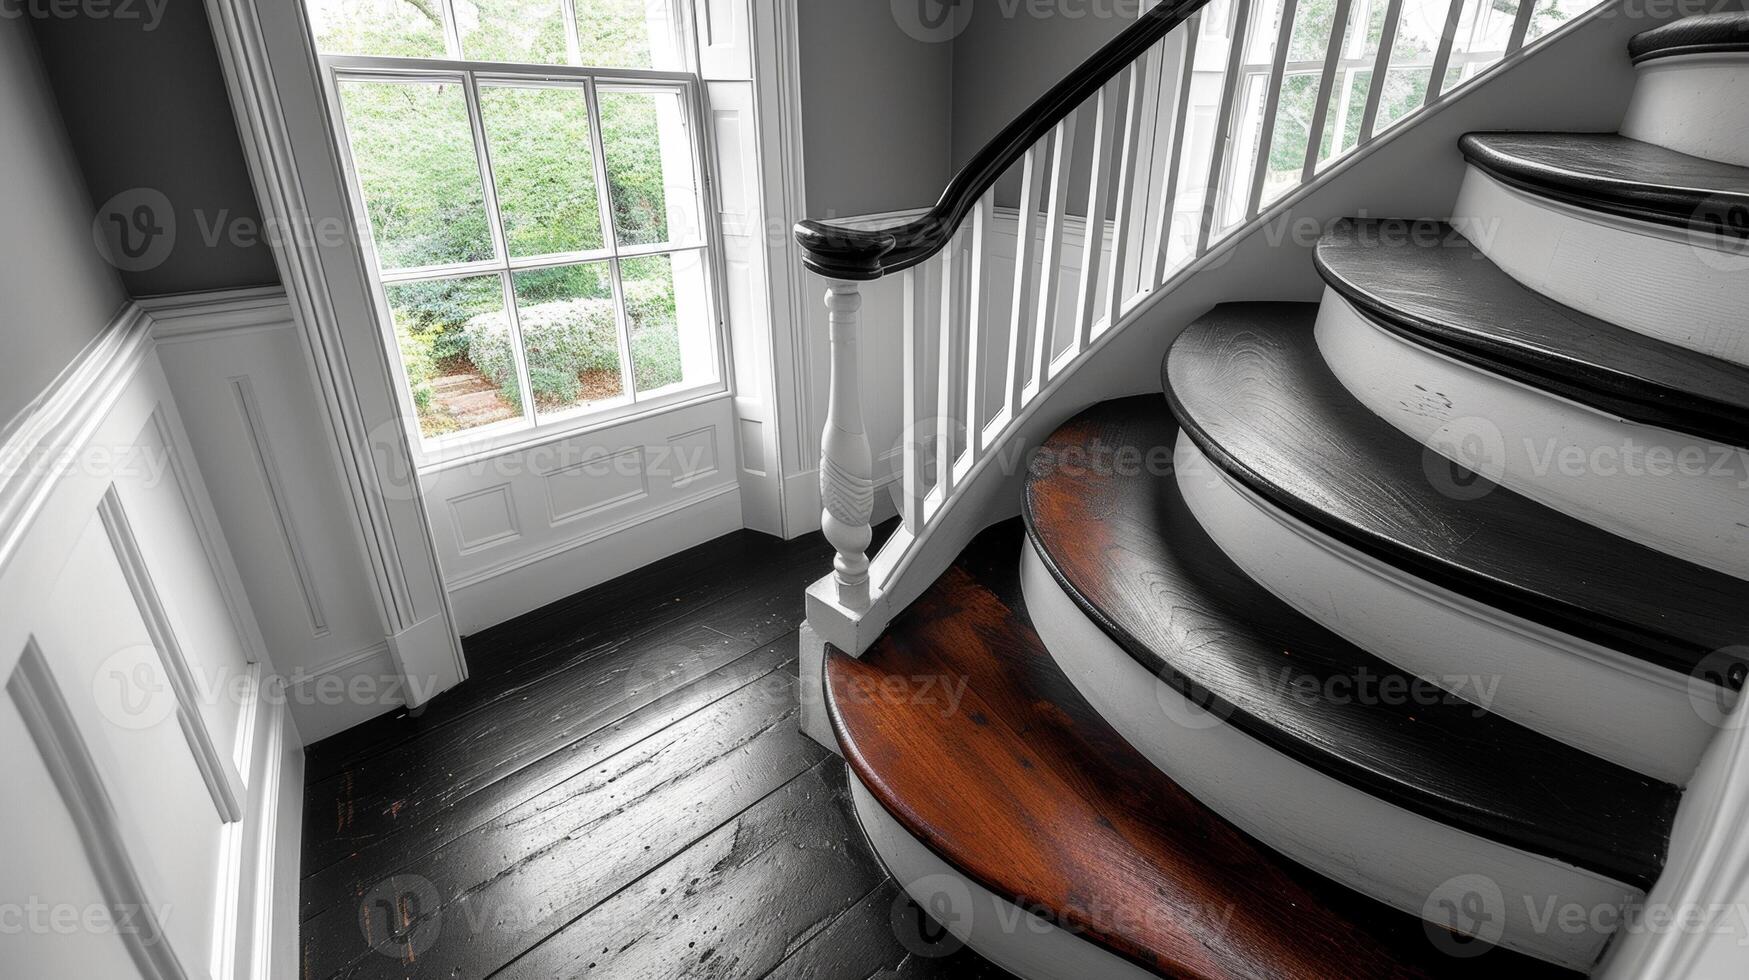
<point>1423,281</point>
<point>1027,791</point>
<point>1127,549</point>
<point>1704,34</point>
<point>1248,384</point>
<point>1616,175</point>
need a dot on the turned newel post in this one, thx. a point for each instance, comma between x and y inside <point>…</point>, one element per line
<point>846,463</point>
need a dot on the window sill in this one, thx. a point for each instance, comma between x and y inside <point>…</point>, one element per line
<point>436,459</point>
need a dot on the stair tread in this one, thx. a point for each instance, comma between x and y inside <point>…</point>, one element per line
<point>1702,34</point>
<point>1611,173</point>
<point>1128,550</point>
<point>1026,790</point>
<point>1441,292</point>
<point>1249,385</point>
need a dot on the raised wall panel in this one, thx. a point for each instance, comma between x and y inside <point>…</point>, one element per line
<point>604,480</point>
<point>692,456</point>
<point>484,518</point>
<point>51,876</point>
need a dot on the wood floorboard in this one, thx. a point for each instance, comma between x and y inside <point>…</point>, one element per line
<point>621,783</point>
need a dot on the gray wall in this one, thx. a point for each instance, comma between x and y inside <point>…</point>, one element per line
<point>877,107</point>
<point>145,105</point>
<point>1003,61</point>
<point>890,111</point>
<point>56,292</point>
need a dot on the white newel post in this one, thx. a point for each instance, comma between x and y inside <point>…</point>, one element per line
<point>839,603</point>
<point>846,463</point>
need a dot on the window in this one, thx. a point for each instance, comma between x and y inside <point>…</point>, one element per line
<point>530,174</point>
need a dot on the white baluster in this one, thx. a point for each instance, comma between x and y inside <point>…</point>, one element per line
<point>1129,142</point>
<point>1105,125</point>
<point>978,303</point>
<point>947,370</point>
<point>1271,103</point>
<point>915,393</point>
<point>1442,58</point>
<point>1025,281</point>
<point>1381,66</point>
<point>1326,83</point>
<point>1050,272</point>
<point>1224,122</point>
<point>1175,155</point>
<point>1520,26</point>
<point>846,464</point>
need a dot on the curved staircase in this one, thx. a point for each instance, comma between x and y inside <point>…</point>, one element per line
<point>1385,643</point>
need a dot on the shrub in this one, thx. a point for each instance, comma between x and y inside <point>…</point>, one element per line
<point>567,338</point>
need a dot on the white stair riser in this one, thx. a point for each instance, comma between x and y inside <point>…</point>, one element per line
<point>1662,282</point>
<point>1676,493</point>
<point>1400,858</point>
<point>1596,700</point>
<point>999,930</point>
<point>1693,104</point>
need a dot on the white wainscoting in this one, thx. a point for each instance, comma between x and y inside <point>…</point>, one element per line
<point>153,774</point>
<point>237,366</point>
<point>515,531</point>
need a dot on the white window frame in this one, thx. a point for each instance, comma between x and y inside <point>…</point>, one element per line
<point>530,428</point>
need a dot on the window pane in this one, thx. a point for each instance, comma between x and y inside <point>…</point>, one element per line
<point>407,28</point>
<point>414,152</point>
<point>626,34</point>
<point>543,163</point>
<point>570,334</point>
<point>456,375</point>
<point>669,314</point>
<point>530,31</point>
<point>649,168</point>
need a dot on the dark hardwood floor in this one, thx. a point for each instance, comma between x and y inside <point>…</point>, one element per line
<point>620,790</point>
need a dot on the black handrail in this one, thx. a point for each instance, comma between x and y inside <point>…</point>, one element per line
<point>842,252</point>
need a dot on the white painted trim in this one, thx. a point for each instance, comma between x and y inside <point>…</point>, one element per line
<point>41,439</point>
<point>273,483</point>
<point>1517,435</point>
<point>1403,859</point>
<point>1003,933</point>
<point>1662,282</point>
<point>1607,704</point>
<point>102,830</point>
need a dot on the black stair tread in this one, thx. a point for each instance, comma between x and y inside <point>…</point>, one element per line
<point>1129,551</point>
<point>1424,281</point>
<point>1249,386</point>
<point>1703,34</point>
<point>1022,787</point>
<point>1613,174</point>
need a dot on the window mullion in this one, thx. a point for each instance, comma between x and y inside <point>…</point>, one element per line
<point>604,201</point>
<point>452,32</point>
<point>500,246</point>
<point>573,41</point>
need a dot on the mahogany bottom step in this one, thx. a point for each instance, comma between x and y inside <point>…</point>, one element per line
<point>963,729</point>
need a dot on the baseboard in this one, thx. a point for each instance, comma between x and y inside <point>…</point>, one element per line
<point>350,691</point>
<point>509,590</point>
